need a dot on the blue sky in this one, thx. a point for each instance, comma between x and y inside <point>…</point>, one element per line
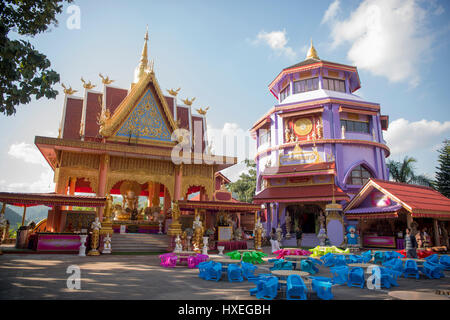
<point>225,53</point>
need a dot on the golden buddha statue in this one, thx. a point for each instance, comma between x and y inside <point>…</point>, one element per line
<point>130,191</point>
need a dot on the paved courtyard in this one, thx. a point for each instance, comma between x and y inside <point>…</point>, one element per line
<point>44,276</point>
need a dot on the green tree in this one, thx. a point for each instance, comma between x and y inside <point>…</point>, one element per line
<point>403,171</point>
<point>442,182</point>
<point>24,71</point>
<point>246,185</point>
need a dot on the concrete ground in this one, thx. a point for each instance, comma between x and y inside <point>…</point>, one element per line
<point>44,276</point>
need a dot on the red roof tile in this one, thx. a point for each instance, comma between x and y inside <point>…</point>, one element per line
<point>418,198</point>
<point>300,194</point>
<point>74,109</point>
<point>93,109</point>
<point>114,97</point>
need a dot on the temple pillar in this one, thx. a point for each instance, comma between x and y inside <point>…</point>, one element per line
<point>72,185</point>
<point>167,200</point>
<point>102,181</point>
<point>178,179</point>
<point>156,191</point>
<point>150,194</point>
<point>437,239</point>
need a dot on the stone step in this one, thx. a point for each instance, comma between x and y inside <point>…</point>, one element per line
<point>139,242</point>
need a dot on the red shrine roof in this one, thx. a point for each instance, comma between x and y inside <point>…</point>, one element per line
<point>300,169</point>
<point>50,199</point>
<point>420,201</point>
<point>300,194</point>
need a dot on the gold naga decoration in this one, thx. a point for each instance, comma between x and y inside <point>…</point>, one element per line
<point>88,85</point>
<point>188,102</point>
<point>173,92</point>
<point>105,80</point>
<point>69,91</point>
<point>201,111</point>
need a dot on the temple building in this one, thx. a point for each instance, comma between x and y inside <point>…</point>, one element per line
<point>318,144</point>
<point>137,142</point>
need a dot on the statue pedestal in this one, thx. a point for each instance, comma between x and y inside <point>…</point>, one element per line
<point>82,250</point>
<point>205,245</point>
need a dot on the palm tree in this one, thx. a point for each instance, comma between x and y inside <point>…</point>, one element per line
<point>404,172</point>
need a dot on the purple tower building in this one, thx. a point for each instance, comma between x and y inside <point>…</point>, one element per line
<point>318,143</point>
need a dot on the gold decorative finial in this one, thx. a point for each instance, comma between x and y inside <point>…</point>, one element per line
<point>201,111</point>
<point>173,92</point>
<point>105,80</point>
<point>188,102</point>
<point>88,85</point>
<point>143,67</point>
<point>312,53</point>
<point>69,91</point>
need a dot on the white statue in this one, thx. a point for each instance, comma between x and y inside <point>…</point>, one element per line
<point>319,129</point>
<point>178,246</point>
<point>96,225</point>
<point>342,132</point>
<point>205,245</point>
<point>107,244</point>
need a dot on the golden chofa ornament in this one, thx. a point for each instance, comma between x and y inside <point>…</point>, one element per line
<point>188,102</point>
<point>201,111</point>
<point>87,85</point>
<point>69,91</point>
<point>105,80</point>
<point>173,92</point>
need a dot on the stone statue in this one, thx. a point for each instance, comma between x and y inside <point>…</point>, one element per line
<point>178,245</point>
<point>279,233</point>
<point>238,234</point>
<point>107,245</point>
<point>288,226</point>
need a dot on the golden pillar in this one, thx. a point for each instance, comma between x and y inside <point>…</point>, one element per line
<point>107,222</point>
<point>175,226</point>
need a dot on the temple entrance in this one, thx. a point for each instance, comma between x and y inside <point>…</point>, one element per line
<point>139,208</point>
<point>304,216</point>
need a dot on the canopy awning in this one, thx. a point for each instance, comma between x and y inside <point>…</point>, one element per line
<point>50,200</point>
<point>218,206</point>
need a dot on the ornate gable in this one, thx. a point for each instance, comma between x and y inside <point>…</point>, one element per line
<point>142,117</point>
<point>146,121</point>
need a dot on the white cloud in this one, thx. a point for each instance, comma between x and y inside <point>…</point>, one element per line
<point>331,12</point>
<point>403,136</point>
<point>43,184</point>
<point>27,153</point>
<point>277,41</point>
<point>387,37</point>
<point>232,141</point>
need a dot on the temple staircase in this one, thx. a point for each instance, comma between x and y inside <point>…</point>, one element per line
<point>139,242</point>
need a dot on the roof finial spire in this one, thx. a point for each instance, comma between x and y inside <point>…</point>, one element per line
<point>312,53</point>
<point>143,64</point>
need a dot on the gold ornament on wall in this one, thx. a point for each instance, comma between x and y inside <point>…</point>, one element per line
<point>201,111</point>
<point>303,126</point>
<point>87,85</point>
